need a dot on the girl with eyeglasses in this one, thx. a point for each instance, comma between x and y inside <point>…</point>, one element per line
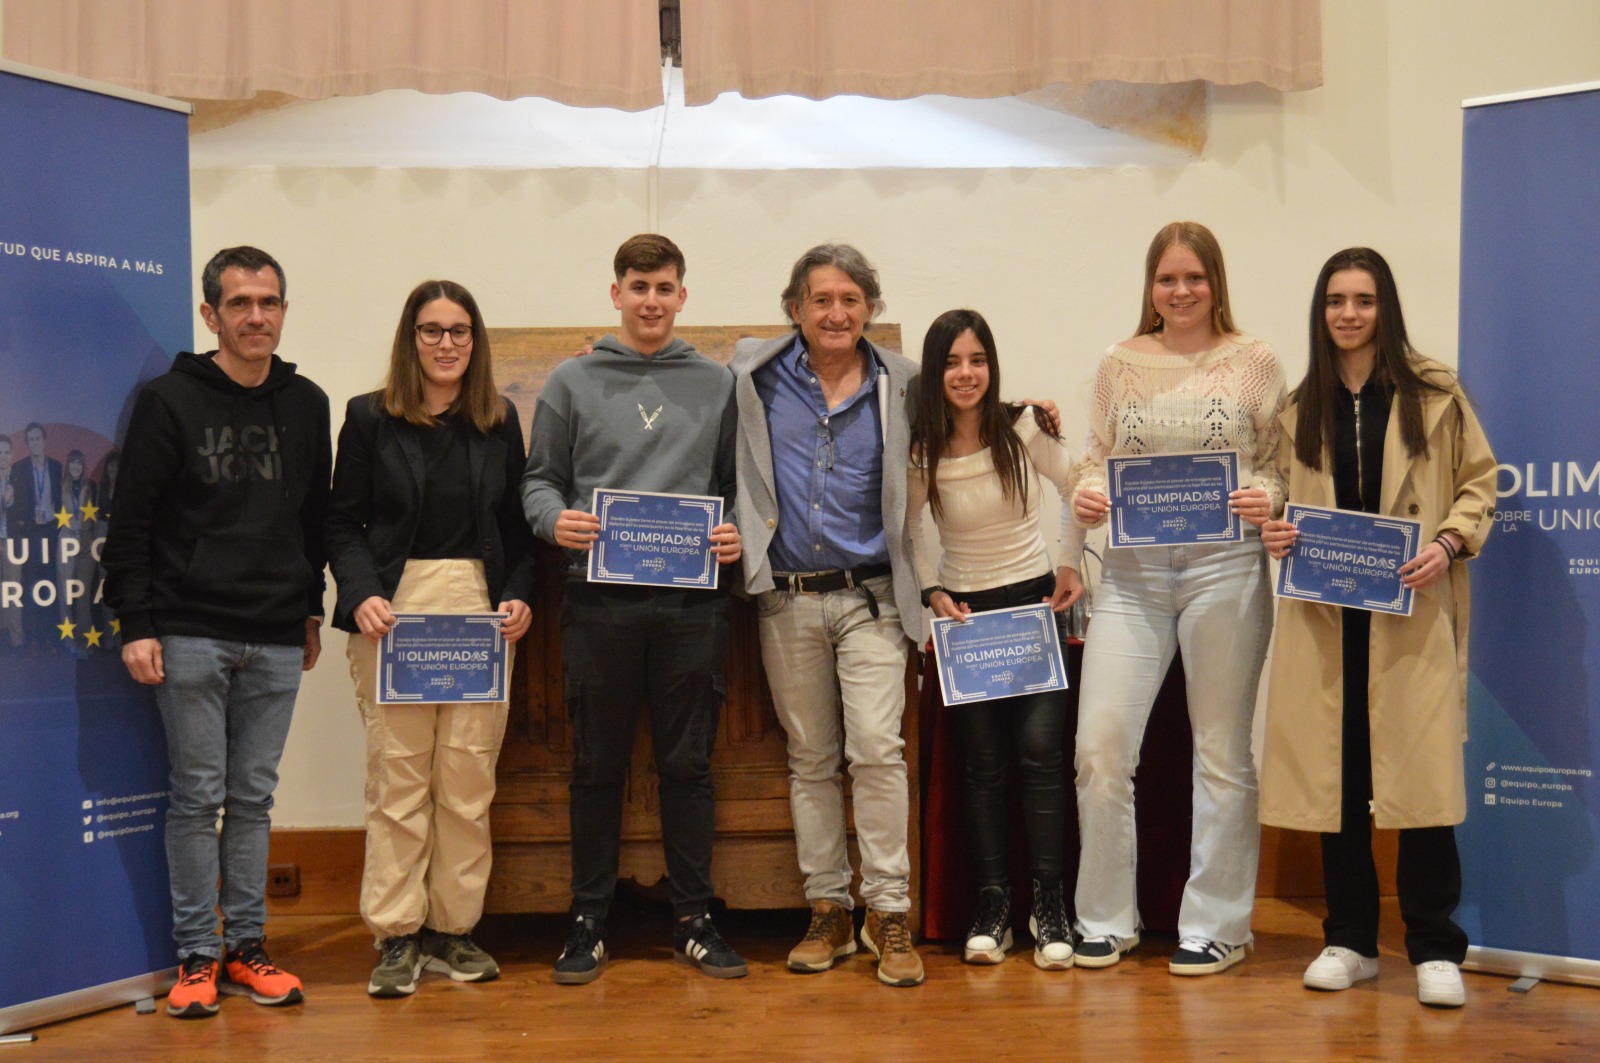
<point>426,517</point>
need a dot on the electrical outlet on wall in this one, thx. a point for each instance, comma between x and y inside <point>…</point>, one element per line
<point>283,880</point>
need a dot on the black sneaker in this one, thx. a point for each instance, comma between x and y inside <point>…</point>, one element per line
<point>1196,956</point>
<point>696,942</point>
<point>1104,950</point>
<point>584,953</point>
<point>989,936</point>
<point>1052,937</point>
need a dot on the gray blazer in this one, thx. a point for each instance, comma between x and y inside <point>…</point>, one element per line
<point>757,504</point>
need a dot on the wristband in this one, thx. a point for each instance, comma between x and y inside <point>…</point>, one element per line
<point>929,592</point>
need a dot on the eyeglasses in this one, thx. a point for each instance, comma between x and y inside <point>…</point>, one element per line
<point>433,335</point>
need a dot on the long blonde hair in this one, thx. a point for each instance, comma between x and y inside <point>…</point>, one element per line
<point>1203,243</point>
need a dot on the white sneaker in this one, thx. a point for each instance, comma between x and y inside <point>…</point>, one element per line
<point>1439,984</point>
<point>1340,968</point>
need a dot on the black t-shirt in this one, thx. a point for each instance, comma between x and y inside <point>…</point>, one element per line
<point>445,528</point>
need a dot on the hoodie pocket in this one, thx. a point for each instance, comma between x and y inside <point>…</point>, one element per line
<point>265,577</point>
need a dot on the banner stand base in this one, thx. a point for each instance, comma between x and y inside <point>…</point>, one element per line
<point>1532,967</point>
<point>138,990</point>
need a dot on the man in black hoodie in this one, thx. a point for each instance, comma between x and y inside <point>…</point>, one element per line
<point>214,566</point>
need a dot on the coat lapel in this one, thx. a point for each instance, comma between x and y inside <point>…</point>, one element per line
<point>1397,463</point>
<point>753,415</point>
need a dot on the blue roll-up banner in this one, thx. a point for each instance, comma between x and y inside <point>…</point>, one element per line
<point>1530,269</point>
<point>94,299</point>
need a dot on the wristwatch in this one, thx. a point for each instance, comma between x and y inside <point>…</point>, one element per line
<point>929,592</point>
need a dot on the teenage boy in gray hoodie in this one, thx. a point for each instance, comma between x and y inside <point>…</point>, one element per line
<point>643,412</point>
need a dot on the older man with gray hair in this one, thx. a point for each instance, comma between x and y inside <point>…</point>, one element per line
<point>824,435</point>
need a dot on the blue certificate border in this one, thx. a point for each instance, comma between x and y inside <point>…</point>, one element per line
<point>947,635</point>
<point>1233,530</point>
<point>406,624</point>
<point>601,572</point>
<point>1409,532</point>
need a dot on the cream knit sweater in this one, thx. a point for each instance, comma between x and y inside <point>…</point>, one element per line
<point>1226,398</point>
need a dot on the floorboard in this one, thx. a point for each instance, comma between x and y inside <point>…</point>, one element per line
<point>646,1007</point>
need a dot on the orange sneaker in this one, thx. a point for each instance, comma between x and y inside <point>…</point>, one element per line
<point>251,972</point>
<point>195,995</point>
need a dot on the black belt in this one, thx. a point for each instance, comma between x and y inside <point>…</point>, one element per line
<point>834,580</point>
<point>837,579</point>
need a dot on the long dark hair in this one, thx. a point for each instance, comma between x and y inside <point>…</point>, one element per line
<point>479,403</point>
<point>1394,367</point>
<point>69,481</point>
<point>930,436</point>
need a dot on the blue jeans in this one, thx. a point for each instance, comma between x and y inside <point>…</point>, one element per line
<point>1213,603</point>
<point>226,707</point>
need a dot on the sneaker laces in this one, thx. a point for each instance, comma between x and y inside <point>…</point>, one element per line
<point>703,931</point>
<point>990,917</point>
<point>395,949</point>
<point>1050,912</point>
<point>581,938</point>
<point>1204,947</point>
<point>195,968</point>
<point>822,920</point>
<point>254,956</point>
<point>896,933</point>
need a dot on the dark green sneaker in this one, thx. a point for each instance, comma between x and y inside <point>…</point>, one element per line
<point>458,956</point>
<point>396,974</point>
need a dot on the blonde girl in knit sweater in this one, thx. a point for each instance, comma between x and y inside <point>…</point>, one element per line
<point>1187,380</point>
<point>977,462</point>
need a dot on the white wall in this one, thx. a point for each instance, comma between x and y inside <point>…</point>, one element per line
<point>1053,257</point>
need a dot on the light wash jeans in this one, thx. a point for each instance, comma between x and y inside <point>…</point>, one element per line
<point>226,706</point>
<point>833,668</point>
<point>1213,603</point>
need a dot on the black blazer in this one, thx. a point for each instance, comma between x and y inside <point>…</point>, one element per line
<point>377,495</point>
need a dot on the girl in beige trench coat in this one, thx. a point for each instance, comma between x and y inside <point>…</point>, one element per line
<point>1366,707</point>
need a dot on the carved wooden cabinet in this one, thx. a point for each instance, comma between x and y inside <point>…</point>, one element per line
<point>754,857</point>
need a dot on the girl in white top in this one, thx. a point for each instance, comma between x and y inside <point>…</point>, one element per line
<point>977,461</point>
<point>1187,380</point>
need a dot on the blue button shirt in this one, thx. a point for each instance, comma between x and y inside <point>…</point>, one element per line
<point>828,466</point>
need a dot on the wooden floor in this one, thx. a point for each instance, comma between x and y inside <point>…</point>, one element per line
<point>645,1007</point>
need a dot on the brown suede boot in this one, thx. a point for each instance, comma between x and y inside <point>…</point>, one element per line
<point>830,937</point>
<point>888,937</point>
